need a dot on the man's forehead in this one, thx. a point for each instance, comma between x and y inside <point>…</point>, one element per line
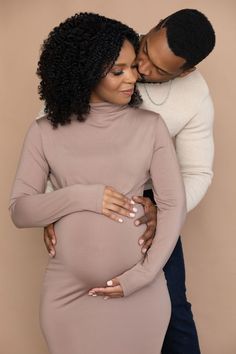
<point>159,49</point>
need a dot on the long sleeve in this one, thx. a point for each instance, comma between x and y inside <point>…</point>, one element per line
<point>195,151</point>
<point>29,205</point>
<point>170,198</point>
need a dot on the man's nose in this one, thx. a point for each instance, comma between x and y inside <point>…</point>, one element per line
<point>144,68</point>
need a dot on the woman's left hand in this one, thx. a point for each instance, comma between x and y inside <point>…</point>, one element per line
<point>112,290</point>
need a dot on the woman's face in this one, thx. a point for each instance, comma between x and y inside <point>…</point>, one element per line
<point>118,85</point>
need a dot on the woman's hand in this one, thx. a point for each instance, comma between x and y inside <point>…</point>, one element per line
<point>116,204</point>
<point>111,291</point>
<point>150,219</point>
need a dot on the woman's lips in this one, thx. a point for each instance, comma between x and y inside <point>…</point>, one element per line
<point>128,92</point>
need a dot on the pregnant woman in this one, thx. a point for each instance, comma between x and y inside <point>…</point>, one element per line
<point>93,135</point>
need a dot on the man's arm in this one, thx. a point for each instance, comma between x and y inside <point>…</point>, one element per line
<point>195,151</point>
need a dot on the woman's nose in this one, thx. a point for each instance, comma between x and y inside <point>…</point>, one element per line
<point>132,75</point>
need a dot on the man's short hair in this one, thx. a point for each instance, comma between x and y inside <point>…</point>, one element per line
<point>190,35</point>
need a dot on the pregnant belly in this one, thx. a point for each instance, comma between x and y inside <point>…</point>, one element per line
<point>96,248</point>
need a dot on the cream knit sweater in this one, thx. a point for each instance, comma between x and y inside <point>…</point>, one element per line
<point>188,113</point>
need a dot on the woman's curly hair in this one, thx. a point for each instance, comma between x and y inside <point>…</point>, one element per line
<point>76,55</point>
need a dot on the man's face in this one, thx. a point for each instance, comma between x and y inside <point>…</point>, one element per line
<point>156,61</point>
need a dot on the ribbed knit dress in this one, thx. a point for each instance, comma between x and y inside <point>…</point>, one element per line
<point>116,146</point>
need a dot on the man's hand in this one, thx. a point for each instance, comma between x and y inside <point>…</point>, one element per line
<point>112,290</point>
<point>150,219</point>
<point>50,239</point>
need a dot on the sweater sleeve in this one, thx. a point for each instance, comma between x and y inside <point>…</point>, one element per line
<point>195,151</point>
<point>170,199</point>
<point>29,205</point>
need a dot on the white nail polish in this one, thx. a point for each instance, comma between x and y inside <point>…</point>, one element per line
<point>94,295</point>
<point>140,242</point>
<point>106,297</point>
<point>144,250</point>
<point>109,283</point>
<point>132,215</point>
<point>120,220</point>
<point>132,202</point>
<point>135,210</point>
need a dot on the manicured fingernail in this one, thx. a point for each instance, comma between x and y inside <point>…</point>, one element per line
<point>120,220</point>
<point>51,254</point>
<point>137,222</point>
<point>132,202</point>
<point>135,210</point>
<point>132,215</point>
<point>106,297</point>
<point>141,241</point>
<point>109,283</point>
<point>53,242</point>
<point>94,295</point>
<point>144,250</point>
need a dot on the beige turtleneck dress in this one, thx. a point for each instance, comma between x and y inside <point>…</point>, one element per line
<point>121,147</point>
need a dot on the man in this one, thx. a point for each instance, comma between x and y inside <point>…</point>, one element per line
<point>170,86</point>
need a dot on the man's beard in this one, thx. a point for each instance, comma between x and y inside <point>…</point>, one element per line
<point>143,80</point>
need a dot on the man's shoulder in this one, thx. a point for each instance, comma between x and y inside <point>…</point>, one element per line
<point>192,84</point>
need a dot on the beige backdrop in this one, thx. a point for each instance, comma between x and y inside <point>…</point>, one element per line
<point>209,234</point>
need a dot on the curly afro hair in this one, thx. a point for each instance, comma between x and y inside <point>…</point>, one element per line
<point>190,35</point>
<point>76,55</point>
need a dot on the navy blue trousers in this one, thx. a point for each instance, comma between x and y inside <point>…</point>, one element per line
<point>181,336</point>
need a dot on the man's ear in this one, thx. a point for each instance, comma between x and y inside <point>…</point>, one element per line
<point>188,71</point>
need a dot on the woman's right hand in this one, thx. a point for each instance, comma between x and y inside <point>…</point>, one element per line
<point>115,205</point>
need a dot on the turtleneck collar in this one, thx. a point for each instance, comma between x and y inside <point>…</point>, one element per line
<point>106,107</point>
<point>103,113</point>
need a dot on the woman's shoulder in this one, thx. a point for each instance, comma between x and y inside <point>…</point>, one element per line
<point>144,113</point>
<point>145,117</point>
<point>44,125</point>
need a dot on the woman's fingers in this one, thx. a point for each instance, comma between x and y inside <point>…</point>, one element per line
<point>113,290</point>
<point>107,291</point>
<point>116,205</point>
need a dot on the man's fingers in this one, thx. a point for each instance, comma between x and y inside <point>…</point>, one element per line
<point>49,246</point>
<point>143,219</point>
<point>142,200</point>
<point>146,245</point>
<point>50,239</point>
<point>51,233</point>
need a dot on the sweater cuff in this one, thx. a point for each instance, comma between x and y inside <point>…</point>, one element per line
<point>88,197</point>
<point>134,279</point>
